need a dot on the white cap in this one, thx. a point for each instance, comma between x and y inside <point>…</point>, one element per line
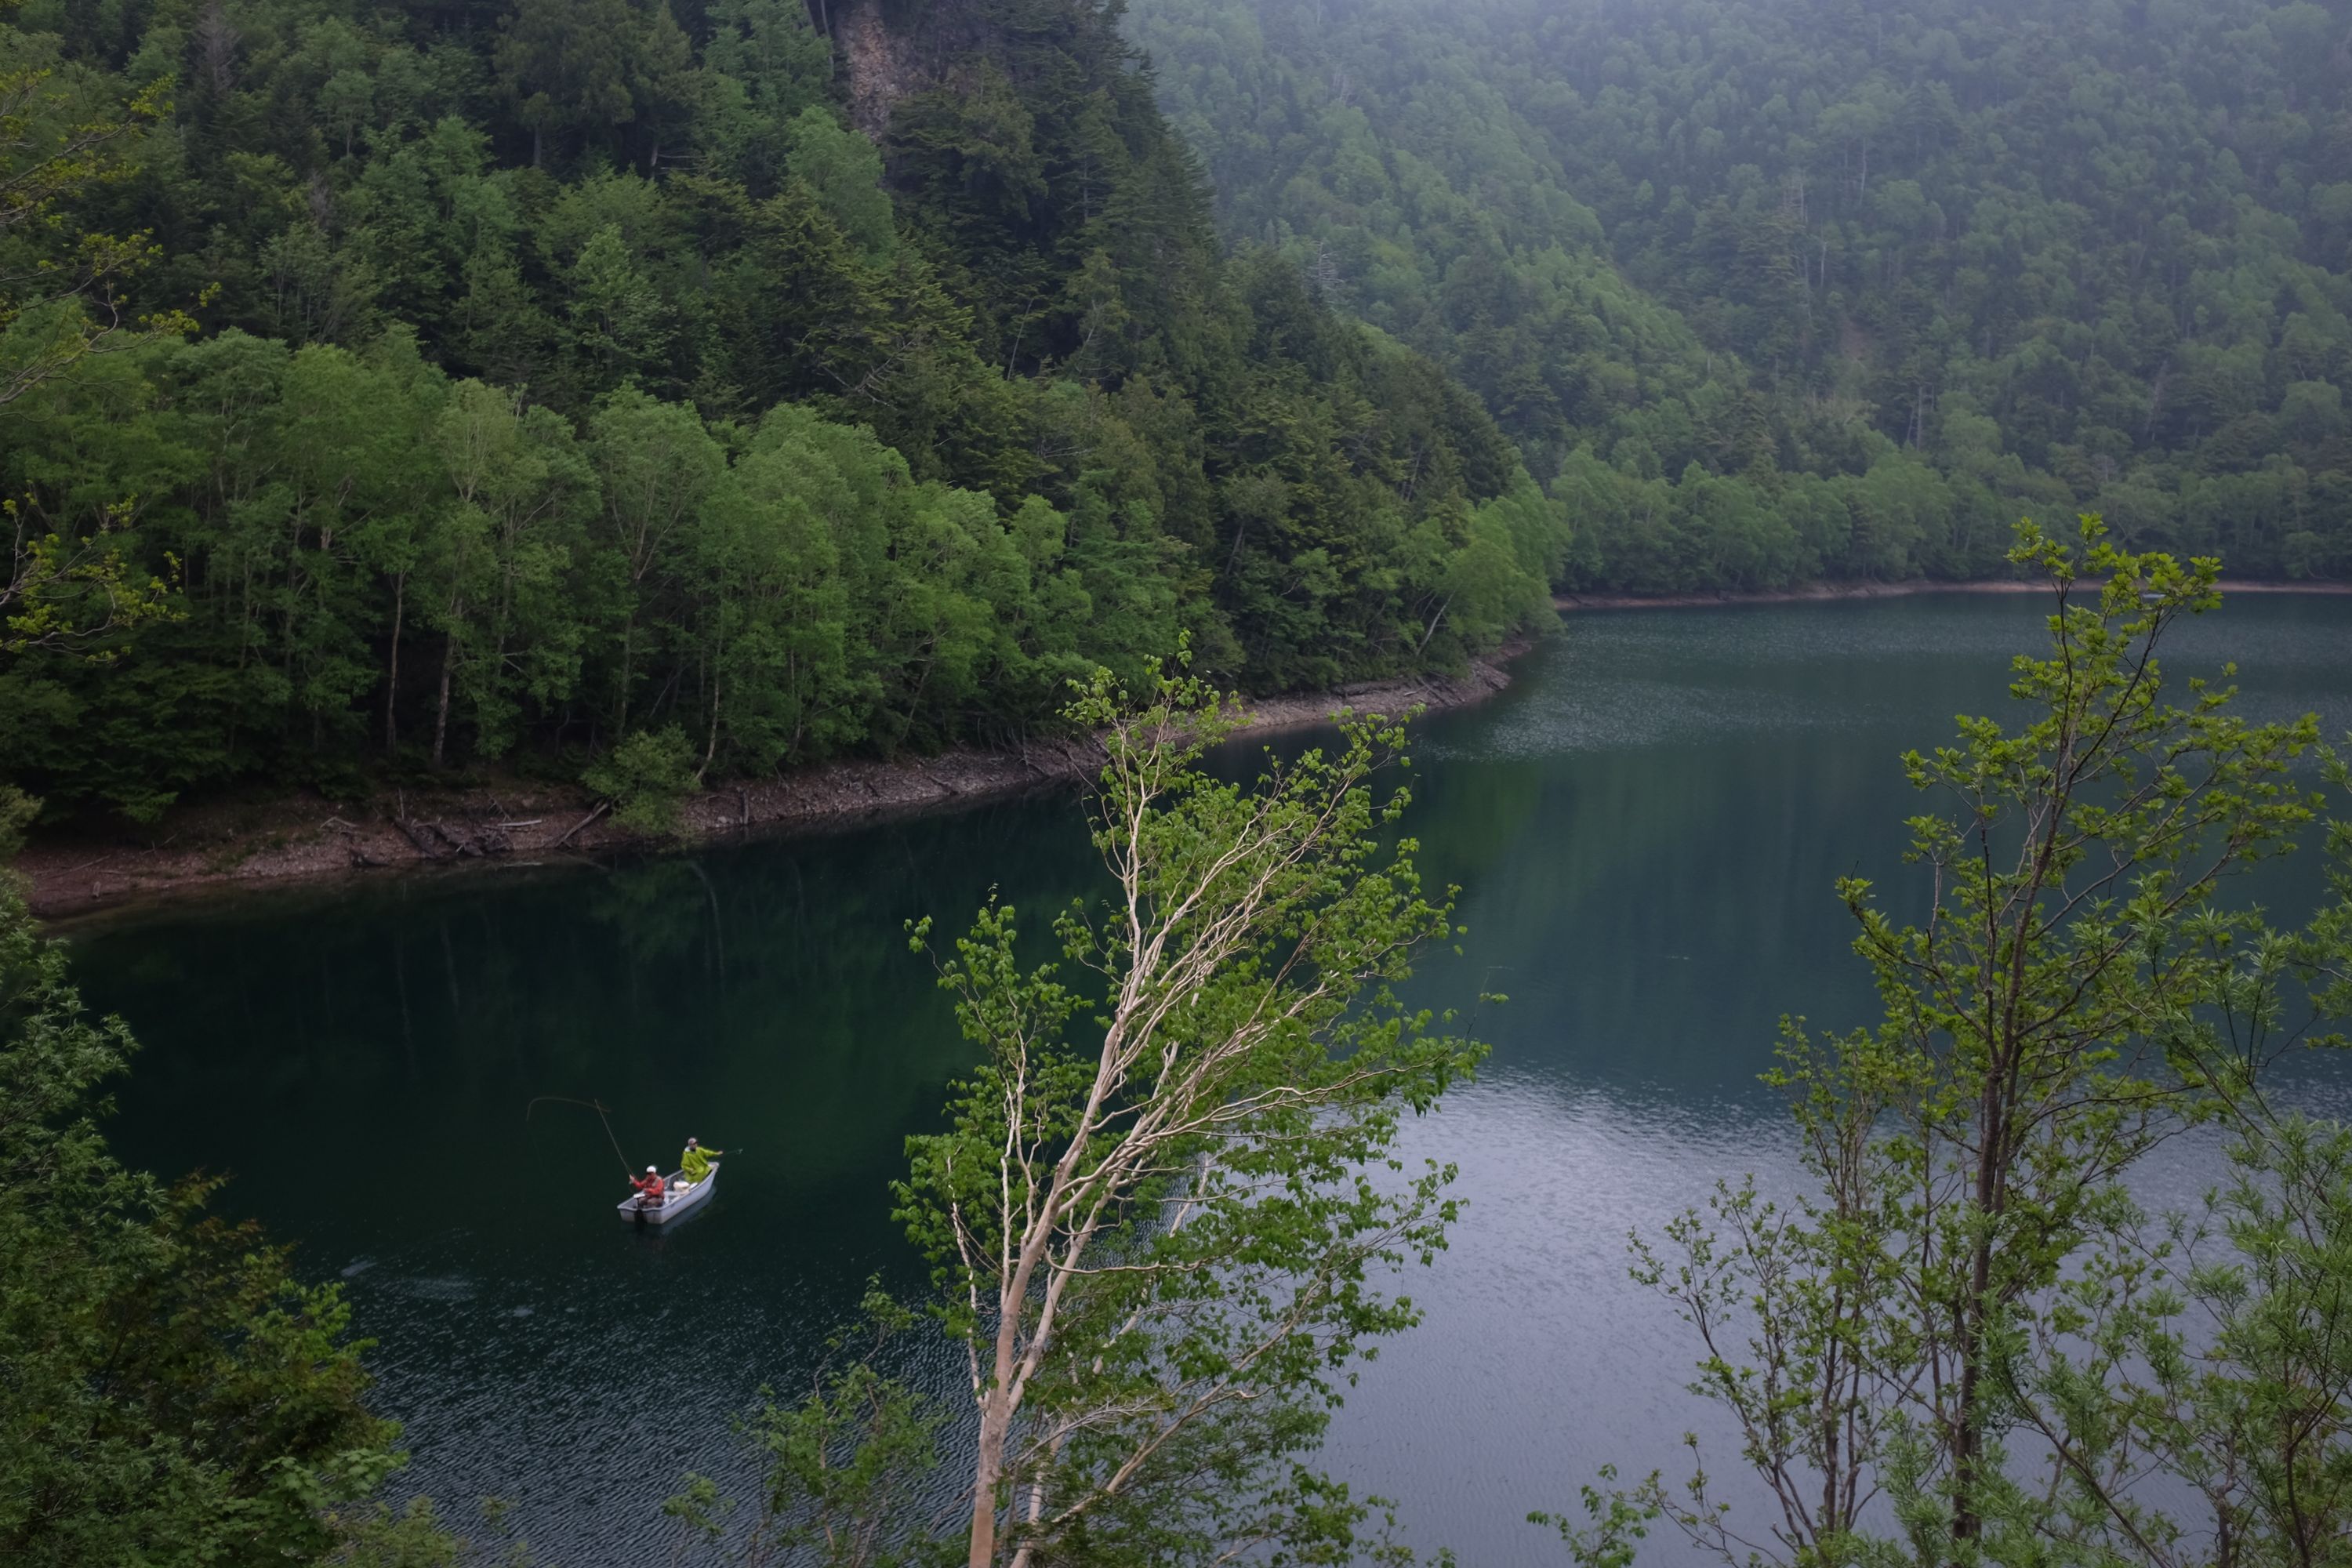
<point>650,1171</point>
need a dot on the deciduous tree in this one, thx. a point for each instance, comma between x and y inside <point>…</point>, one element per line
<point>1892,1346</point>
<point>1166,1202</point>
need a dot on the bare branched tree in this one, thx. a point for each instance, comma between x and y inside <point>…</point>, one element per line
<point>1164,1242</point>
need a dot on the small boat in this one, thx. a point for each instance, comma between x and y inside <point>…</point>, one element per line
<point>677,1200</point>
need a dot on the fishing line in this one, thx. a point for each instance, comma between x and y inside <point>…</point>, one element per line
<point>626,1170</point>
<point>1482,979</point>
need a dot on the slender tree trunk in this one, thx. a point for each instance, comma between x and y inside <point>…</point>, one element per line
<point>1968,1425</point>
<point>441,714</point>
<point>914,702</point>
<point>988,1469</point>
<point>711,750</point>
<point>628,652</point>
<point>996,1404</point>
<point>1422,646</point>
<point>391,675</point>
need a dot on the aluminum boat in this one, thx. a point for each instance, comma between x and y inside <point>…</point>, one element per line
<point>678,1197</point>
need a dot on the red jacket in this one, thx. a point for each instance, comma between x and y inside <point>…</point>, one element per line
<point>648,1187</point>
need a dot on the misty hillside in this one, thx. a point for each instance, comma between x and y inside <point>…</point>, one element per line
<point>1792,287</point>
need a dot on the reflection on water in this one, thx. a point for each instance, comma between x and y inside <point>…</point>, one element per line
<point>363,1063</point>
<point>1645,829</point>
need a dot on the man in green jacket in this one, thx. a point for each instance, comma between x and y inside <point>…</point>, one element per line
<point>695,1163</point>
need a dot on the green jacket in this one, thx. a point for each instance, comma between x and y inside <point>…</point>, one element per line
<point>695,1163</point>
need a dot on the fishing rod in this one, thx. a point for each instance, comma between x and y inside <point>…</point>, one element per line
<point>627,1170</point>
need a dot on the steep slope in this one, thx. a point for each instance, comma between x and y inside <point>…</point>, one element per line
<point>1860,285</point>
<point>716,387</point>
<point>1372,144</point>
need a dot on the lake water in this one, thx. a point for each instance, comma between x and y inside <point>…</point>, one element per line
<point>1645,828</point>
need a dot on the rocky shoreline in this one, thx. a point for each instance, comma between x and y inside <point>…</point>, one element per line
<point>309,838</point>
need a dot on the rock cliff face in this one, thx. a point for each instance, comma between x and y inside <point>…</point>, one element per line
<point>891,49</point>
<point>878,59</point>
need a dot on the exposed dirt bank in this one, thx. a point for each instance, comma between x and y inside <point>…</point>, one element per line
<point>1816,592</point>
<point>242,844</point>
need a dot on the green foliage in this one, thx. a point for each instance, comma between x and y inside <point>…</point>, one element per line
<point>848,1465</point>
<point>846,172</point>
<point>172,1395</point>
<point>72,592</point>
<point>2221,1349</point>
<point>17,811</point>
<point>415,1536</point>
<point>576,374</point>
<point>66,132</point>
<point>1611,1528</point>
<point>1161,1236</point>
<point>646,777</point>
<point>1787,292</point>
<point>1966,1293</point>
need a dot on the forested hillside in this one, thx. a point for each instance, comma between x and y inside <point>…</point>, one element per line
<point>1775,289</point>
<point>391,390</point>
<point>386,390</point>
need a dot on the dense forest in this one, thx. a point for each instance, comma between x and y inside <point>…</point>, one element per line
<point>733,383</point>
<point>1798,288</point>
<point>528,381</point>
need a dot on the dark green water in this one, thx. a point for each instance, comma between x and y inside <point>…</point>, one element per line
<point>1645,828</point>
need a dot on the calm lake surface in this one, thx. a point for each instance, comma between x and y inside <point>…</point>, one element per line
<point>1645,828</point>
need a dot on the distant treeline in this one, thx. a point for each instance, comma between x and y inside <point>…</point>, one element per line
<point>1793,288</point>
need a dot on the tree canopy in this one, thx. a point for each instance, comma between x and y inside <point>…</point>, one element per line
<point>174,1394</point>
<point>541,384</point>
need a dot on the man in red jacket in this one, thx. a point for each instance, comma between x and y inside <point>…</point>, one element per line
<point>650,1188</point>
